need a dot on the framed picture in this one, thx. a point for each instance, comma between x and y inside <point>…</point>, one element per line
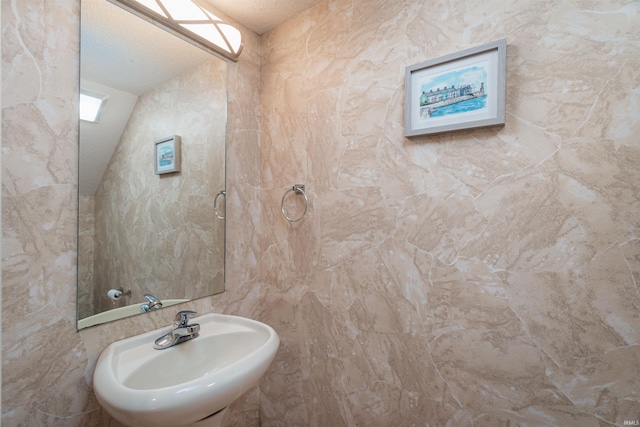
<point>167,155</point>
<point>462,90</point>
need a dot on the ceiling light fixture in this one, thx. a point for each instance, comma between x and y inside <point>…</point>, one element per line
<point>91,105</point>
<point>191,22</point>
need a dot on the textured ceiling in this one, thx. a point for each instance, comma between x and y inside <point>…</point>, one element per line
<point>123,51</point>
<point>261,16</point>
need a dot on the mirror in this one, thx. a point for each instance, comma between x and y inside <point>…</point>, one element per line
<point>141,232</point>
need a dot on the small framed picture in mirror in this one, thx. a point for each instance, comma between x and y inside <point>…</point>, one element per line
<point>167,155</point>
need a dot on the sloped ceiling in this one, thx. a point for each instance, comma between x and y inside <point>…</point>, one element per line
<point>123,57</point>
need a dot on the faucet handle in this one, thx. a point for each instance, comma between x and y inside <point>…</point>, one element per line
<point>182,318</point>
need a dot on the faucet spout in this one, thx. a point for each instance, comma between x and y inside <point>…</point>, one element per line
<point>182,331</point>
<point>153,304</point>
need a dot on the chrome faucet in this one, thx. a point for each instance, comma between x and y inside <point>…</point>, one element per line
<point>182,331</point>
<point>153,304</point>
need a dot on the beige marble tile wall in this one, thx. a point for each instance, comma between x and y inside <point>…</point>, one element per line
<point>484,278</point>
<point>86,255</point>
<point>46,365</point>
<point>143,220</point>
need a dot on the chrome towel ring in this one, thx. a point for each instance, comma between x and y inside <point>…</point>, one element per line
<point>215,203</point>
<point>299,189</point>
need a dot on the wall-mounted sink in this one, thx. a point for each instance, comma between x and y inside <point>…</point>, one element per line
<point>187,383</point>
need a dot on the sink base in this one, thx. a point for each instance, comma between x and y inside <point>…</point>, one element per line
<point>213,420</point>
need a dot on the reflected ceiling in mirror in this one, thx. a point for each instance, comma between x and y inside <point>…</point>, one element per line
<point>138,231</point>
<point>190,21</point>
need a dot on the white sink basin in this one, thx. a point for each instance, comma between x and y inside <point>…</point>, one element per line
<point>181,385</point>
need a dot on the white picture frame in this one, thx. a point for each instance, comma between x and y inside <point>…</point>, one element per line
<point>167,155</point>
<point>463,90</point>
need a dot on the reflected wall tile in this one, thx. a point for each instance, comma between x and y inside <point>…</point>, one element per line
<point>243,167</point>
<point>142,218</point>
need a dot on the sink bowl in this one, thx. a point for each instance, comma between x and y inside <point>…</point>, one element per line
<point>186,384</point>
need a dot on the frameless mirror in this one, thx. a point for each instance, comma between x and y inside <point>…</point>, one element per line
<point>148,229</point>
